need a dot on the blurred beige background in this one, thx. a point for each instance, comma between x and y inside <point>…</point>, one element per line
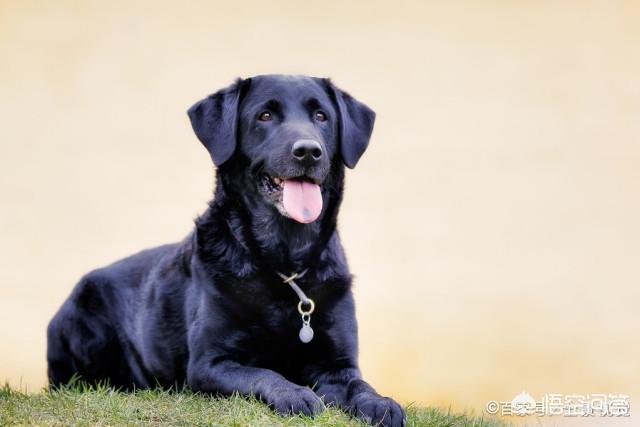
<point>493,226</point>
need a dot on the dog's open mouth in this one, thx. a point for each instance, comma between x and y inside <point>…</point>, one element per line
<point>297,198</point>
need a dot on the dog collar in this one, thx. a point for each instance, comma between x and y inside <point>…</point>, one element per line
<point>306,333</point>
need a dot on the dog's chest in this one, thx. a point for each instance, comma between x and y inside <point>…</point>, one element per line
<point>272,322</point>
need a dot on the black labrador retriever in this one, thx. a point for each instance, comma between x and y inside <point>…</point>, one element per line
<point>257,299</point>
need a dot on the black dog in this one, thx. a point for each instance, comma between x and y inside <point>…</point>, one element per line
<point>212,310</point>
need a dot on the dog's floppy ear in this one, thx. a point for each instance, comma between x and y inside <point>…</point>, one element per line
<point>215,119</point>
<point>356,125</point>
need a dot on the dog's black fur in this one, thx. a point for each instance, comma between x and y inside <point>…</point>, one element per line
<point>211,311</point>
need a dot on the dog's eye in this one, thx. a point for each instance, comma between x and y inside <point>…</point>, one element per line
<point>265,116</point>
<point>321,116</point>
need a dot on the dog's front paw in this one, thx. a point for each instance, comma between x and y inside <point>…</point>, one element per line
<point>377,410</point>
<point>295,400</point>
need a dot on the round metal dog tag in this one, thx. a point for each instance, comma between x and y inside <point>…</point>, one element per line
<point>306,333</point>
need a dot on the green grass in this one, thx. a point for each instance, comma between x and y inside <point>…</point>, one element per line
<point>102,406</point>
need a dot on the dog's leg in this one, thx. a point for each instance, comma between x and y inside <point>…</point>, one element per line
<point>61,366</point>
<point>346,389</point>
<point>82,340</point>
<point>227,377</point>
<point>338,380</point>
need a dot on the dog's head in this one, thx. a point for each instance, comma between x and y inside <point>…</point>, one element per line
<point>291,130</point>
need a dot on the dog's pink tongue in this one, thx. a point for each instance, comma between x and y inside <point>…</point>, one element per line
<point>302,200</point>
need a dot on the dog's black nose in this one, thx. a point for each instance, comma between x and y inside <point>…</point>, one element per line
<point>307,151</point>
